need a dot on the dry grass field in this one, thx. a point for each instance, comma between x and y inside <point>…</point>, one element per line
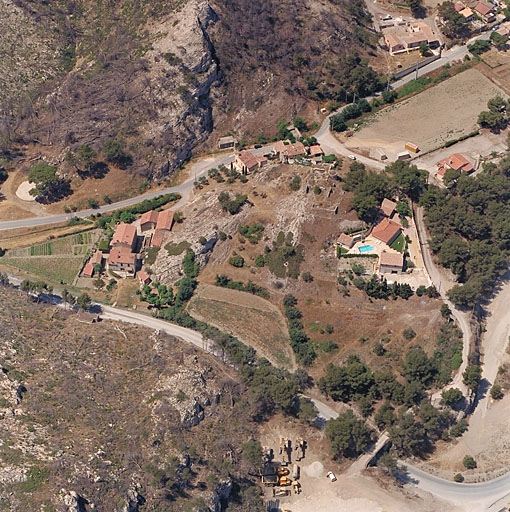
<point>443,112</point>
<point>252,319</point>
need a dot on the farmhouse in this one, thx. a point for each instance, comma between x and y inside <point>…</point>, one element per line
<point>165,220</point>
<point>227,142</point>
<point>467,13</point>
<point>316,153</point>
<point>148,220</point>
<point>417,34</point>
<point>391,263</point>
<point>247,162</point>
<point>387,231</point>
<point>88,269</point>
<point>121,259</point>
<point>124,236</point>
<point>288,152</point>
<point>457,161</point>
<point>485,11</point>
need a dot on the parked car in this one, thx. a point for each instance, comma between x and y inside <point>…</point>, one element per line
<point>352,157</point>
<point>331,476</point>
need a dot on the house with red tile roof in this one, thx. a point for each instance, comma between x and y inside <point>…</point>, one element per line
<point>485,11</point>
<point>459,6</point>
<point>457,161</point>
<point>88,270</point>
<point>387,231</point>
<point>148,220</point>
<point>124,236</point>
<point>121,259</point>
<point>288,152</point>
<point>391,263</point>
<point>246,161</point>
<point>165,220</point>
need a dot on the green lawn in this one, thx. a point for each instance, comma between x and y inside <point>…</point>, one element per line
<point>399,243</point>
<point>51,269</point>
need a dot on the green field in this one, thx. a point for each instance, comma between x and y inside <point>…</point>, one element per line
<point>52,269</point>
<point>176,249</point>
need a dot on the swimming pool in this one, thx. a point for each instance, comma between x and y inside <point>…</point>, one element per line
<point>366,248</point>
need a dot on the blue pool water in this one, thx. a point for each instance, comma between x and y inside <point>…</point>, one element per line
<point>365,248</point>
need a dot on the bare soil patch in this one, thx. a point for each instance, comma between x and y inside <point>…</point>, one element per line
<point>440,113</point>
<point>252,319</point>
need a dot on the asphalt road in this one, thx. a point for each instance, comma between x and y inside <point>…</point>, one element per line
<point>475,497</point>
<point>462,318</point>
<point>198,169</point>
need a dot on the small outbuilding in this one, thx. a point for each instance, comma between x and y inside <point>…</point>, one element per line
<point>391,263</point>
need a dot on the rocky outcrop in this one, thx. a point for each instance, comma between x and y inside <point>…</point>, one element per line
<point>187,391</point>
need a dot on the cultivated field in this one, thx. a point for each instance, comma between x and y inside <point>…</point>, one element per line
<point>253,320</point>
<point>48,268</point>
<point>443,112</point>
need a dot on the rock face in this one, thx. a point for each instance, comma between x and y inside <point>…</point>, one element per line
<point>187,391</point>
<point>153,90</point>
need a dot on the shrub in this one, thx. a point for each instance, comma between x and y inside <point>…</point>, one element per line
<point>458,478</point>
<point>409,333</point>
<point>237,261</point>
<point>469,462</point>
<point>496,392</point>
<point>307,277</point>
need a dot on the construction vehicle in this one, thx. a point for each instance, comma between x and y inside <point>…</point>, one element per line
<point>297,487</point>
<point>278,493</point>
<point>285,450</point>
<point>283,471</point>
<point>300,447</point>
<point>295,472</point>
<point>269,480</point>
<point>284,481</point>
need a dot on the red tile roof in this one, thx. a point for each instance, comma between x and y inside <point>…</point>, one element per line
<point>459,6</point>
<point>157,238</point>
<point>388,207</point>
<point>165,220</point>
<point>124,234</point>
<point>150,216</point>
<point>316,150</point>
<point>144,277</point>
<point>391,259</point>
<point>386,230</point>
<point>88,270</point>
<point>296,149</point>
<point>97,258</point>
<point>456,161</point>
<point>121,255</point>
<point>483,9</point>
<point>250,160</point>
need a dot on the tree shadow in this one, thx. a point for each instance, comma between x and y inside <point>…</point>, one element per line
<point>98,170</point>
<point>481,393</point>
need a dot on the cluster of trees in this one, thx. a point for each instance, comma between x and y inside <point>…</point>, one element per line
<point>299,341</point>
<point>470,228</point>
<point>49,187</point>
<point>455,26</point>
<point>498,40</point>
<point>351,77</point>
<point>338,122</point>
<point>417,424</point>
<point>86,163</point>
<point>479,46</point>
<point>497,117</point>
<point>232,205</point>
<point>115,152</point>
<point>250,287</point>
<point>371,188</point>
<point>378,288</point>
